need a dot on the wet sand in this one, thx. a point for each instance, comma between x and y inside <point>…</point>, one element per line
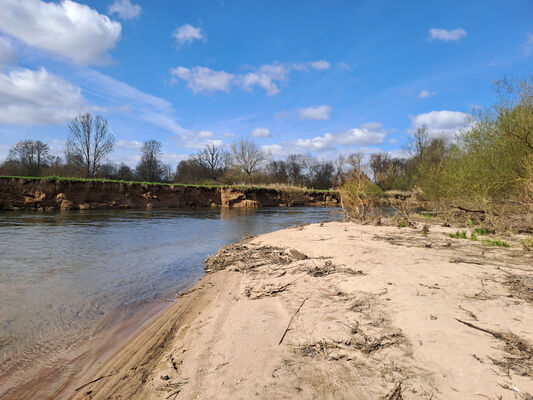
<point>339,311</point>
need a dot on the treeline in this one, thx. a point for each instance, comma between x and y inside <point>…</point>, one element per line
<point>487,169</point>
<point>89,144</point>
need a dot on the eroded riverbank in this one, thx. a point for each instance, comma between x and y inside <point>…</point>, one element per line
<point>68,194</point>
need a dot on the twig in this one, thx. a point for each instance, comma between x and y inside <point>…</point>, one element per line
<point>290,321</point>
<point>478,328</point>
<point>468,210</point>
<point>175,394</point>
<point>406,217</point>
<point>88,383</point>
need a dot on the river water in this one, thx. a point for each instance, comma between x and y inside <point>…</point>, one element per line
<point>65,276</point>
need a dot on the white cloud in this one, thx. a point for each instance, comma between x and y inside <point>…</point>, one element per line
<point>125,10</point>
<point>261,132</point>
<point>198,139</point>
<point>425,93</point>
<point>448,123</point>
<point>265,78</point>
<point>30,97</point>
<point>202,79</point>
<point>268,77</point>
<point>319,113</point>
<point>8,54</point>
<point>129,144</point>
<point>69,29</point>
<point>187,33</point>
<point>205,134</point>
<point>275,149</point>
<point>367,134</point>
<point>129,99</point>
<point>528,45</point>
<point>321,64</point>
<point>392,141</point>
<point>229,134</point>
<point>447,35</point>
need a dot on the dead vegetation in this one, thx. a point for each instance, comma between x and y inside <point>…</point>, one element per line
<point>368,344</point>
<point>519,358</point>
<point>315,350</point>
<point>520,286</point>
<point>242,257</point>
<point>329,268</point>
<point>265,290</point>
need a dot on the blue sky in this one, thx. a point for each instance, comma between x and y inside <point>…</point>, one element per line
<point>310,77</point>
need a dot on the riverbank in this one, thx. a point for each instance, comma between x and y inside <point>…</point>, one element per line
<point>56,193</point>
<point>72,280</point>
<point>339,311</point>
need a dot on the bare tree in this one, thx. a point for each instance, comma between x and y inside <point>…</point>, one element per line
<point>248,157</point>
<point>150,168</point>
<point>32,155</point>
<point>89,141</point>
<point>124,173</point>
<point>295,168</point>
<point>214,159</point>
<point>277,171</point>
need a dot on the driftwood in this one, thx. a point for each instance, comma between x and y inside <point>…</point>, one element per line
<point>88,383</point>
<point>413,224</point>
<point>468,210</point>
<point>290,321</point>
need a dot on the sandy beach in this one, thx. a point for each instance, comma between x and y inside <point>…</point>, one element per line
<point>339,311</point>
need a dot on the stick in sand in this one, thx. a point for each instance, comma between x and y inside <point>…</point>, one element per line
<point>290,321</point>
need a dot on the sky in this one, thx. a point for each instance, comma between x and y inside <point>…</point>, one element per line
<point>313,77</point>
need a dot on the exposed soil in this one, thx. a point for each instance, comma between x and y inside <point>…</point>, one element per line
<point>37,194</point>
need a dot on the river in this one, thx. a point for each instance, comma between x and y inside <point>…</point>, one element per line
<point>66,277</point>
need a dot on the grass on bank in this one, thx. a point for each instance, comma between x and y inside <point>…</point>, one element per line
<point>101,180</point>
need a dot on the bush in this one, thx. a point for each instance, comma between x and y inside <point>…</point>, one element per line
<point>360,197</point>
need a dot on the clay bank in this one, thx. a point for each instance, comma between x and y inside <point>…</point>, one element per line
<point>66,194</point>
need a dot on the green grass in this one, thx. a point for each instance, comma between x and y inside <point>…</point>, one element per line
<point>528,243</point>
<point>481,231</point>
<point>97,180</point>
<point>463,235</point>
<point>459,235</point>
<point>493,242</point>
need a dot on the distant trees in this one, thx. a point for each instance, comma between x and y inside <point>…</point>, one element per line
<point>150,168</point>
<point>213,159</point>
<point>88,143</point>
<point>247,156</point>
<point>31,155</point>
<point>386,169</point>
<point>125,173</point>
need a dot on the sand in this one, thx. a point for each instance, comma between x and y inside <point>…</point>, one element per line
<point>372,312</point>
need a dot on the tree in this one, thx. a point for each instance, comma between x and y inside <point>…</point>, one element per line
<point>124,173</point>
<point>32,155</point>
<point>191,171</point>
<point>278,171</point>
<point>320,174</point>
<point>214,159</point>
<point>248,157</point>
<point>295,168</point>
<point>150,168</point>
<point>387,170</point>
<point>88,143</point>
